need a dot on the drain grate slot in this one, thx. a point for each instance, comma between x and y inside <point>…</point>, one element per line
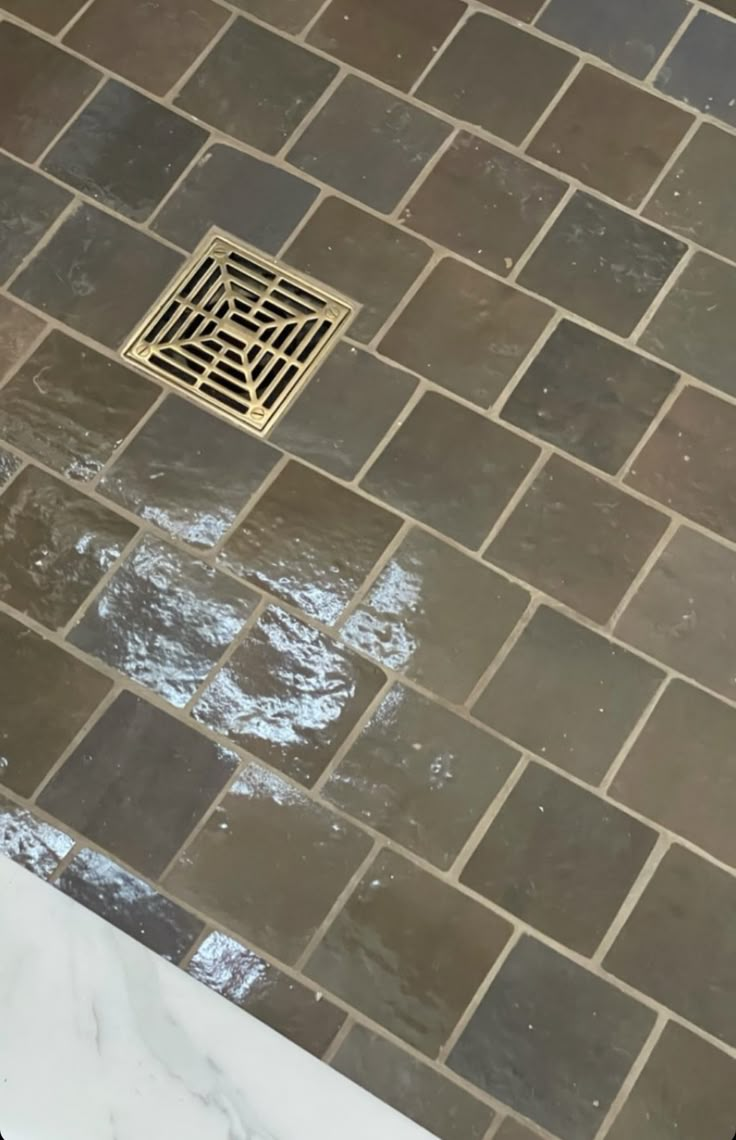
<point>238,332</point>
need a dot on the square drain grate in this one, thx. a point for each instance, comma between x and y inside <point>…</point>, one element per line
<point>238,332</point>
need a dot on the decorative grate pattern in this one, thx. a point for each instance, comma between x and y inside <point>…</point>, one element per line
<point>238,332</point>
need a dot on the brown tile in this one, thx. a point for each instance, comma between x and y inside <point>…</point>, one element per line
<point>483,203</point>
<point>450,468</point>
<point>97,274</point>
<point>408,950</point>
<point>293,858</point>
<point>138,783</point>
<point>436,615</point>
<point>291,15</point>
<point>520,9</point>
<point>55,545</point>
<point>611,135</point>
<point>9,464</point>
<point>344,412</point>
<point>361,256</point>
<point>568,694</point>
<point>466,331</point>
<point>289,695</point>
<point>552,1041</point>
<point>414,1089</point>
<point>32,842</point>
<point>602,263</point>
<point>188,472</point>
<point>51,15</point>
<point>512,1130</point>
<point>687,1088</point>
<point>58,406</point>
<point>682,612</point>
<point>256,86</point>
<point>18,330</point>
<point>559,858</point>
<point>40,88</point>
<point>578,538</point>
<point>310,542</point>
<point>700,68</point>
<point>152,44</point>
<point>679,944</point>
<point>421,775</point>
<point>129,903</point>
<point>164,619</point>
<point>45,699</point>
<point>29,204</point>
<point>589,396</point>
<point>393,42</point>
<point>368,143</point>
<point>497,76</point>
<point>267,993</point>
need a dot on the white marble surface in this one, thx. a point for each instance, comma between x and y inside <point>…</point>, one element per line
<point>102,1040</point>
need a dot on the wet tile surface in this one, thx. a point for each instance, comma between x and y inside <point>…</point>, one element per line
<point>630,35</point>
<point>29,204</point>
<point>700,68</point>
<point>18,330</point>
<point>30,841</point>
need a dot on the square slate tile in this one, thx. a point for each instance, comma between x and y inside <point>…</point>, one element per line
<point>138,783</point>
<point>58,406</point>
<point>29,841</point>
<point>164,619</point>
<point>368,143</point>
<point>293,858</point>
<point>45,699</point>
<point>344,412</point>
<point>611,135</point>
<point>256,86</point>
<point>266,993</point>
<point>309,541</point>
<point>40,88</point>
<point>589,396</point>
<point>289,695</point>
<point>630,34</point>
<point>125,151</point>
<point>369,260</point>
<point>682,613</point>
<point>18,330</point>
<point>559,858</point>
<point>97,274</point>
<point>681,769</point>
<point>586,694</point>
<point>496,76</point>
<point>700,69</point>
<point>602,263</point>
<point>130,904</point>
<point>291,15</point>
<point>436,615</point>
<point>578,538</point>
<point>421,775</point>
<point>414,1089</point>
<point>213,193</point>
<point>55,545</point>
<point>679,944</point>
<point>188,472</point>
<point>552,1041</point>
<point>483,203</point>
<point>450,468</point>
<point>150,44</point>
<point>29,203</point>
<point>51,15</point>
<point>393,951</point>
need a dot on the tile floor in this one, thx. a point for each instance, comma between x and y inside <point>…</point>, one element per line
<point>409,729</point>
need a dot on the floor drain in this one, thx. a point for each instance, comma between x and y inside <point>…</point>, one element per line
<point>238,332</point>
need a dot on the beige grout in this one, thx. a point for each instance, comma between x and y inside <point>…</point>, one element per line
<point>313,113</point>
<point>372,577</point>
<point>438,53</point>
<point>669,166</point>
<point>515,936</point>
<point>69,210</point>
<point>494,808</point>
<point>302,35</point>
<point>338,905</point>
<point>136,430</point>
<point>423,176</point>
<point>80,734</point>
<point>194,948</point>
<point>667,50</point>
<point>644,878</point>
<point>189,169</point>
<point>177,87</point>
<point>667,288</point>
<point>75,19</point>
<point>436,255</point>
<point>545,453</point>
<point>223,661</point>
<point>556,99</point>
<point>550,221</point>
<point>644,570</point>
<point>496,408</point>
<point>661,414</point>
<point>619,760</point>
<point>334,1047</point>
<point>103,582</point>
<point>363,720</point>
<point>39,160</point>
<point>504,651</point>
<point>634,1073</point>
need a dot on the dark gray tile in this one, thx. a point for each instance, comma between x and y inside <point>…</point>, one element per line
<point>701,68</point>
<point>30,841</point>
<point>291,15</point>
<point>18,330</point>
<point>29,203</point>
<point>630,34</point>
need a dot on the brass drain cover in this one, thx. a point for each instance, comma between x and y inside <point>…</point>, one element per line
<point>238,332</point>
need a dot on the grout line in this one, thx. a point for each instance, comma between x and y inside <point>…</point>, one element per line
<point>661,414</point>
<point>187,74</point>
<point>422,177</point>
<point>504,651</point>
<point>656,855</point>
<point>435,257</point>
<point>420,390</point>
<point>70,209</point>
<point>619,760</point>
<point>265,485</point>
<point>64,862</point>
<point>86,604</point>
<point>634,1073</point>
<point>438,54</point>
<point>670,164</point>
<point>38,161</point>
<point>190,167</point>
<point>336,907</point>
<point>137,428</point>
<point>515,935</point>
<point>252,620</point>
<point>75,19</point>
<point>494,808</point>
<point>303,222</point>
<point>541,234</point>
<point>494,1127</point>
<point>95,716</point>
<point>496,408</point>
<point>314,111</point>
<point>198,941</point>
<point>334,1046</point>
<point>668,48</point>
<point>557,98</point>
<point>649,563</point>
<point>363,720</point>
<point>302,35</point>
<point>372,577</point>
<point>519,494</point>
<point>25,356</point>
<point>667,287</point>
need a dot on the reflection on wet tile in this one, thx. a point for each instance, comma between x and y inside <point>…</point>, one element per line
<point>55,545</point>
<point>138,783</point>
<point>700,68</point>
<point>421,775</point>
<point>32,842</point>
<point>552,1041</point>
<point>18,330</point>
<point>291,1008</point>
<point>289,695</point>
<point>164,619</point>
<point>130,904</point>
<point>310,541</point>
<point>60,407</point>
<point>291,15</point>
<point>125,150</point>
<point>188,472</point>
<point>411,1087</point>
<point>269,863</point>
<point>51,15</point>
<point>409,951</point>
<point>29,203</point>
<point>9,464</point>
<point>436,615</point>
